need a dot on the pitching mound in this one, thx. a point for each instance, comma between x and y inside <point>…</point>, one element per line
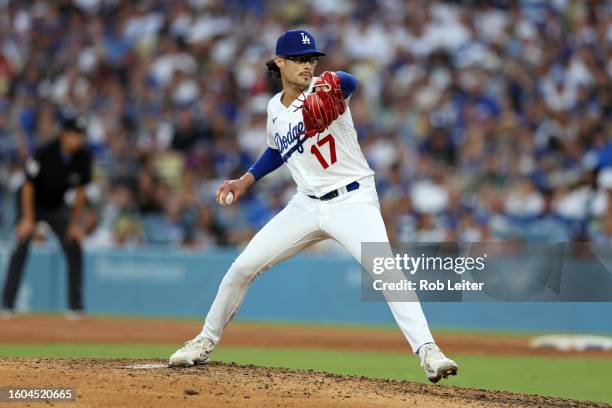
<point>148,383</point>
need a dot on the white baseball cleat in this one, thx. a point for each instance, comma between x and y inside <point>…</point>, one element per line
<point>435,363</point>
<point>7,314</point>
<point>74,315</point>
<point>196,351</point>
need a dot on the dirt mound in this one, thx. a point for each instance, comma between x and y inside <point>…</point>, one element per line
<point>55,329</point>
<point>113,383</point>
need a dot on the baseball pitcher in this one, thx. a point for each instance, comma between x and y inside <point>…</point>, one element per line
<point>310,129</point>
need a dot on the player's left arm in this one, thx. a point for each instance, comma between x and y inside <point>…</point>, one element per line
<point>327,101</point>
<point>348,83</point>
<point>73,231</point>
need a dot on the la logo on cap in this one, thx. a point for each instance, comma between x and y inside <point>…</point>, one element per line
<point>297,42</point>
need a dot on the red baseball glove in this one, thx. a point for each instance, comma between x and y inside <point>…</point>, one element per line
<point>324,104</point>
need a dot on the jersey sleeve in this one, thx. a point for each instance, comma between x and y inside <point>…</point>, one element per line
<point>269,161</point>
<point>33,165</point>
<point>348,83</point>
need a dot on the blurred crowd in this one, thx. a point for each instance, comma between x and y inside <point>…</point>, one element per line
<point>484,120</point>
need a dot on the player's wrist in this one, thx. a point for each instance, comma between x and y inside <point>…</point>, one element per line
<point>248,178</point>
<point>27,219</point>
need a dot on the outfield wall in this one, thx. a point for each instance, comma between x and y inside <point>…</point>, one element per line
<point>164,282</point>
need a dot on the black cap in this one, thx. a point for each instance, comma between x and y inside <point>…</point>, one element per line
<point>75,123</point>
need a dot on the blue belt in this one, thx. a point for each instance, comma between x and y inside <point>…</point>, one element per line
<point>333,194</point>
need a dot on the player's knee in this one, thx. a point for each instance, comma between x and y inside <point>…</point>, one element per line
<point>242,271</point>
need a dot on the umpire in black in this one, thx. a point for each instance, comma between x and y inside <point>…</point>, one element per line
<point>61,164</point>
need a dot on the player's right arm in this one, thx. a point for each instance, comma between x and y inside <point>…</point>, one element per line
<point>269,161</point>
<point>25,227</point>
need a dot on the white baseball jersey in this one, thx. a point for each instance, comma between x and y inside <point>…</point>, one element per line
<point>323,163</point>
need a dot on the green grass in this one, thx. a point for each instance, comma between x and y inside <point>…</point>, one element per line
<point>570,377</point>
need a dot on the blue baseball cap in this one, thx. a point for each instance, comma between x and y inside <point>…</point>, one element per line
<point>296,42</point>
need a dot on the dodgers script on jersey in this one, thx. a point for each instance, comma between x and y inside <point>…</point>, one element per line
<point>322,163</point>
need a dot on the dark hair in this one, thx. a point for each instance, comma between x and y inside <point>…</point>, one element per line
<point>273,72</point>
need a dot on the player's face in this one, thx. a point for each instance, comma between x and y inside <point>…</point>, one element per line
<point>71,141</point>
<point>298,70</point>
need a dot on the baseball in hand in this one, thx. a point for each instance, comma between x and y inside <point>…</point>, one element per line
<point>229,198</point>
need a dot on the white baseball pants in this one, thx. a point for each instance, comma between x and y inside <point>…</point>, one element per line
<point>350,219</point>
